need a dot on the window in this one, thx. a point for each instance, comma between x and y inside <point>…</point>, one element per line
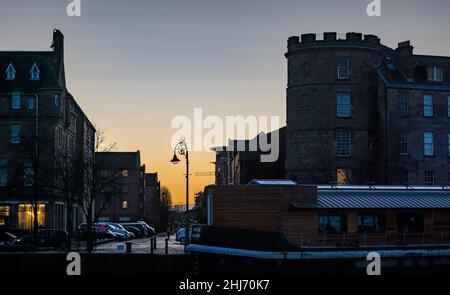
<point>448,144</point>
<point>428,144</point>
<point>448,106</point>
<point>10,72</point>
<point>404,143</point>
<point>28,174</point>
<point>410,222</point>
<point>15,133</point>
<point>124,219</point>
<point>125,173</point>
<point>344,176</point>
<point>371,223</point>
<point>343,142</point>
<point>56,100</point>
<point>5,211</point>
<point>3,172</point>
<point>428,105</point>
<point>15,100</point>
<point>124,188</point>
<point>343,67</point>
<point>343,105</point>
<point>331,223</point>
<point>31,103</point>
<point>124,204</point>
<point>26,216</point>
<point>434,73</point>
<point>34,72</point>
<point>429,178</point>
<point>403,104</point>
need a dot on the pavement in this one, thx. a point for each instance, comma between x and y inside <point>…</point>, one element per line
<point>143,246</point>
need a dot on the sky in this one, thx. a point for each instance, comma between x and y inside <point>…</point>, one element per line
<point>134,65</point>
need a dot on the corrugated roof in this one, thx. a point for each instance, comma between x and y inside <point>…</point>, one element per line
<point>272,182</point>
<point>379,199</point>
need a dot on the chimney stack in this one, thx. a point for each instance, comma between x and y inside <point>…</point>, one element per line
<point>58,43</point>
<point>405,58</point>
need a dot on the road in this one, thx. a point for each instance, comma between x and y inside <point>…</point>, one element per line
<point>143,246</point>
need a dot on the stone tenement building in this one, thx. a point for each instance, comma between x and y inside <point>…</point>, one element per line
<point>42,132</point>
<point>360,112</point>
<point>127,204</point>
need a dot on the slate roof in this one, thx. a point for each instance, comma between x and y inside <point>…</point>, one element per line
<point>118,160</point>
<point>23,61</point>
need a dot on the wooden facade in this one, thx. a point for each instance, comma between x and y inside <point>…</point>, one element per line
<point>270,208</point>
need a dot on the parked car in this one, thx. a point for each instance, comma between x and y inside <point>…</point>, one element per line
<point>181,235</point>
<point>146,229</point>
<point>138,232</point>
<point>118,229</point>
<point>150,230</point>
<point>7,238</point>
<point>51,238</point>
<point>99,231</point>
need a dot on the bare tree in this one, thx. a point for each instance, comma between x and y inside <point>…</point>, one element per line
<point>32,169</point>
<point>99,185</point>
<point>166,204</point>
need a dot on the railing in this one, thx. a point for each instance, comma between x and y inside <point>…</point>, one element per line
<point>348,240</point>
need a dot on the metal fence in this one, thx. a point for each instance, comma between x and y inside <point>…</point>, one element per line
<point>346,240</point>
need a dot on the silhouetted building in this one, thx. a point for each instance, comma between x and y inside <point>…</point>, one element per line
<point>127,204</point>
<point>360,112</point>
<point>239,163</point>
<point>43,134</point>
<point>152,200</point>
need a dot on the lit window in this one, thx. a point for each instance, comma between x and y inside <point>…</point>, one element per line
<point>125,173</point>
<point>343,67</point>
<point>3,172</point>
<point>15,133</point>
<point>26,216</point>
<point>35,72</point>
<point>124,204</point>
<point>403,104</point>
<point>434,73</point>
<point>428,105</point>
<point>343,105</point>
<point>10,72</point>
<point>344,176</point>
<point>404,143</point>
<point>343,142</point>
<point>31,103</point>
<point>15,100</point>
<point>428,144</point>
<point>429,178</point>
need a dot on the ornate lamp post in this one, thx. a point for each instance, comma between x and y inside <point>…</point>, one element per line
<point>182,149</point>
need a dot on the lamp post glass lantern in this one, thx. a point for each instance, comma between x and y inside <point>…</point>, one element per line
<point>182,149</point>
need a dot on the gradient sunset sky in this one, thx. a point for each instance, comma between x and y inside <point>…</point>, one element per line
<point>134,65</point>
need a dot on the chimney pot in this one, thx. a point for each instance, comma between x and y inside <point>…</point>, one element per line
<point>329,36</point>
<point>308,38</point>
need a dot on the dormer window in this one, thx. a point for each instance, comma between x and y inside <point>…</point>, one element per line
<point>35,72</point>
<point>434,73</point>
<point>10,72</point>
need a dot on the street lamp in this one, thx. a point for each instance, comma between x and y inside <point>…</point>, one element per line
<point>182,149</point>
